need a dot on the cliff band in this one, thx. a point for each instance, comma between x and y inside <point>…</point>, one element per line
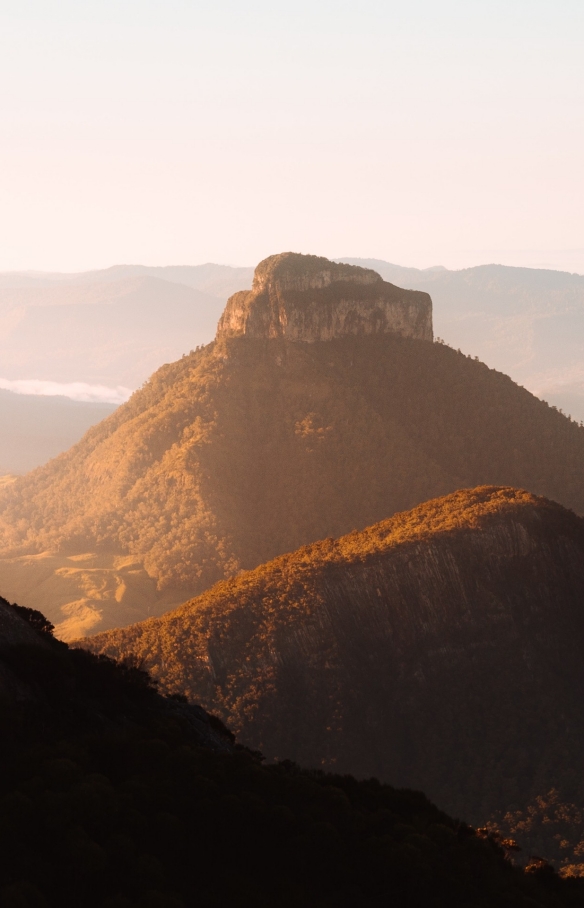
<point>309,298</point>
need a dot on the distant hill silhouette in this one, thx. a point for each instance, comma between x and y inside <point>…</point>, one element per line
<point>440,649</point>
<point>216,280</point>
<point>112,332</point>
<point>112,795</point>
<point>252,447</point>
<point>36,428</point>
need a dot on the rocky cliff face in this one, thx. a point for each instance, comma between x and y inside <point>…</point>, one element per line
<point>309,298</point>
<point>441,650</point>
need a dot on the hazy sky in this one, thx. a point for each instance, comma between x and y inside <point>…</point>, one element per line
<point>179,132</point>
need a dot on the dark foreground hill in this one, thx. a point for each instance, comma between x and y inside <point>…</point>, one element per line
<point>440,649</point>
<point>113,797</point>
<point>254,446</point>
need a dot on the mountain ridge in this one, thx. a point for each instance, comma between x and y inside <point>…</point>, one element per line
<point>439,649</point>
<point>101,332</point>
<point>252,446</point>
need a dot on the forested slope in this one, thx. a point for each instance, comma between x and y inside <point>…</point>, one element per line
<point>440,649</point>
<point>249,448</point>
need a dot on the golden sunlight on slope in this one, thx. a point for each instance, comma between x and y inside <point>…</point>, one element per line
<point>83,591</point>
<point>256,445</point>
<point>440,649</point>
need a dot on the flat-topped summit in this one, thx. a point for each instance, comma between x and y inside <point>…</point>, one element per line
<point>309,298</point>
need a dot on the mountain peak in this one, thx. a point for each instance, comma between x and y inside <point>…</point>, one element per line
<point>309,298</point>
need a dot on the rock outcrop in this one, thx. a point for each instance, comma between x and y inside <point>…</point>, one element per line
<point>309,298</point>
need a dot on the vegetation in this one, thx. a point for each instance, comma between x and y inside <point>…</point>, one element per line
<point>32,616</point>
<point>549,824</point>
<point>439,650</point>
<point>109,800</point>
<point>247,449</point>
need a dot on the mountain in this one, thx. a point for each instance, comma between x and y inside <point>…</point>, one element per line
<point>113,332</point>
<point>440,649</point>
<point>253,446</point>
<point>527,322</point>
<point>35,428</point>
<point>113,326</point>
<point>112,795</point>
<point>216,280</point>
<point>307,298</point>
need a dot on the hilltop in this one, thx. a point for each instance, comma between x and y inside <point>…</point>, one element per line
<point>308,298</point>
<point>253,446</point>
<point>440,650</point>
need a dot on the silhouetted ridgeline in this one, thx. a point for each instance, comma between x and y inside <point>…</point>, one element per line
<point>252,447</point>
<point>113,797</point>
<point>440,649</point>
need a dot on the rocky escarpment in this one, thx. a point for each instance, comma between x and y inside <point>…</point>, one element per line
<point>309,298</point>
<point>439,650</point>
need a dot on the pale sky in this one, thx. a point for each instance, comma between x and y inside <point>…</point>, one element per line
<point>174,132</point>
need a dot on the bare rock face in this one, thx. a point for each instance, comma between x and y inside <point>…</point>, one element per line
<point>309,298</point>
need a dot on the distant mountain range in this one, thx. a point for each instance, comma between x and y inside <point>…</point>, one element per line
<point>116,326</point>
<point>253,446</point>
<point>525,322</point>
<point>111,332</point>
<point>35,429</point>
<point>216,280</point>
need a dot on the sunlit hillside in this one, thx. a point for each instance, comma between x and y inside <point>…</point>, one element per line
<point>440,649</point>
<point>249,448</point>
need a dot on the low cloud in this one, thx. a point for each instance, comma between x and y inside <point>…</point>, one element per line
<point>76,390</point>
